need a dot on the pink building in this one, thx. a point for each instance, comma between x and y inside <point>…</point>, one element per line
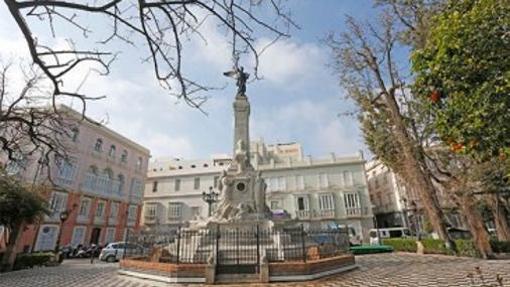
<point>101,188</point>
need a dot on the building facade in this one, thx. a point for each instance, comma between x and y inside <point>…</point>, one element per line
<point>100,187</point>
<point>398,205</point>
<point>312,191</point>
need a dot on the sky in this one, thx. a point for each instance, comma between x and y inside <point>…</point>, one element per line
<point>298,100</point>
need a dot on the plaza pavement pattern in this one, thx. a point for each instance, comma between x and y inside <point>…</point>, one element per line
<point>375,270</point>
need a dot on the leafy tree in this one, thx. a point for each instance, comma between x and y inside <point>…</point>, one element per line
<point>463,76</point>
<point>19,206</point>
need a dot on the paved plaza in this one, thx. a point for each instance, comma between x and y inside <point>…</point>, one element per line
<point>375,270</point>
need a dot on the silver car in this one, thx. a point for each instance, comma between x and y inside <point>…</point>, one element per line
<point>115,251</point>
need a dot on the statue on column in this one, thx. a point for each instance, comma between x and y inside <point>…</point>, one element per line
<point>241,78</point>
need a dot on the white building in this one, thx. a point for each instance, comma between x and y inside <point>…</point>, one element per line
<point>322,191</point>
<point>398,205</point>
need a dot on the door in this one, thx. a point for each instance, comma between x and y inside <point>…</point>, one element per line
<point>94,236</point>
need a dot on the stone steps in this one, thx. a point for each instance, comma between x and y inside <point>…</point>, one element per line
<point>237,278</point>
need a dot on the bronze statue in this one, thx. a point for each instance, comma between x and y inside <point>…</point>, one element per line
<point>241,78</point>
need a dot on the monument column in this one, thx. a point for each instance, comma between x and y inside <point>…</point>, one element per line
<point>242,122</point>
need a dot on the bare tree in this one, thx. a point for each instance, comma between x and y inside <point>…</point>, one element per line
<point>364,56</point>
<point>29,128</point>
<point>162,25</point>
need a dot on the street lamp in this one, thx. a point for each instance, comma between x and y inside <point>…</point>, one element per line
<point>64,215</point>
<point>376,225</point>
<point>210,198</point>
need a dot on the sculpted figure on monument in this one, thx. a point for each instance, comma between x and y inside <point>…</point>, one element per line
<point>241,157</point>
<point>241,78</point>
<point>260,194</point>
<point>226,186</point>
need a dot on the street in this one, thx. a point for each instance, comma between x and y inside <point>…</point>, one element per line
<point>375,270</point>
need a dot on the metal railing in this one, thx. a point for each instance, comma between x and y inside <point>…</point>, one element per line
<point>238,246</point>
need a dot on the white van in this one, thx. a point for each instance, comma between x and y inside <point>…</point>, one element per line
<point>392,232</point>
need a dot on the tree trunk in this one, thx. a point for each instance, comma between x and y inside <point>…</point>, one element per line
<point>10,251</point>
<point>500,214</point>
<point>476,224</point>
<point>422,182</point>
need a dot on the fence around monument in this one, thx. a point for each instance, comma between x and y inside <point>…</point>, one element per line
<point>238,246</point>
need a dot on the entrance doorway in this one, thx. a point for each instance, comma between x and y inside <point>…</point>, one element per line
<point>94,236</point>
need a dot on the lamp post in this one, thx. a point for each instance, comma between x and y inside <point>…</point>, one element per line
<point>376,225</point>
<point>64,215</point>
<point>210,198</point>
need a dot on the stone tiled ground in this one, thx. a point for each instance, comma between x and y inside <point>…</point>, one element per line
<point>375,270</point>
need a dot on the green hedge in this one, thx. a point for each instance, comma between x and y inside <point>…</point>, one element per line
<point>434,246</point>
<point>24,261</point>
<point>401,244</point>
<point>500,246</point>
<point>466,247</point>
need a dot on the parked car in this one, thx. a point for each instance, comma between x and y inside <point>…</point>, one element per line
<point>115,251</point>
<point>392,232</point>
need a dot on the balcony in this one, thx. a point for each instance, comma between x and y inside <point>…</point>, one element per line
<point>326,214</point>
<point>356,212</point>
<point>112,221</point>
<point>102,186</point>
<point>303,214</point>
<point>99,220</point>
<point>315,214</point>
<point>150,219</point>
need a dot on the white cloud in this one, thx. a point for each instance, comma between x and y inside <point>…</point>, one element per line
<point>287,61</point>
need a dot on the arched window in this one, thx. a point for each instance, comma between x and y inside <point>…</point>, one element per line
<point>99,145</point>
<point>121,180</point>
<point>75,132</point>
<point>139,163</point>
<point>123,157</point>
<point>111,153</point>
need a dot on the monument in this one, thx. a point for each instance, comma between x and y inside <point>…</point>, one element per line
<point>239,242</point>
<point>242,189</point>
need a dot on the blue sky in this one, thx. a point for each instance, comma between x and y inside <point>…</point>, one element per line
<point>298,100</point>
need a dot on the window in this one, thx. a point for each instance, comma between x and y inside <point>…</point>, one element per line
<point>14,167</point>
<point>326,202</point>
<point>174,210</point>
<point>66,171</point>
<point>121,182</point>
<point>132,212</point>
<point>114,209</point>
<point>84,207</point>
<point>196,183</point>
<point>352,204</point>
<point>275,204</point>
<point>110,235</point>
<point>302,203</point>
<point>282,183</point>
<point>155,186</point>
<point>347,176</point>
<point>123,157</point>
<point>100,209</point>
<point>111,153</point>
<point>273,183</point>
<point>139,163</point>
<point>323,180</point>
<point>78,236</point>
<point>177,186</point>
<point>75,132</point>
<point>150,210</point>
<point>216,180</point>
<point>99,145</point>
<point>300,182</point>
<point>58,203</point>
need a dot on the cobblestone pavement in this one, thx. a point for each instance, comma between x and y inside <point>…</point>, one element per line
<point>375,270</point>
